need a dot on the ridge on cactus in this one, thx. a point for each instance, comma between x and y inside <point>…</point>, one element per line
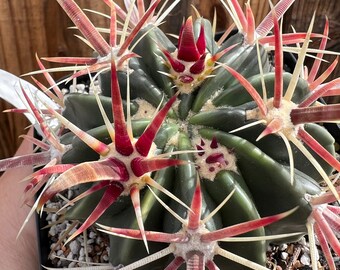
<point>186,147</point>
<point>183,244</point>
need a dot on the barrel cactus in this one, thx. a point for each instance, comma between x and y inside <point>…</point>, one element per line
<point>197,154</point>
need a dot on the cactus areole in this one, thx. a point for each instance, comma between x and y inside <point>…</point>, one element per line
<point>192,156</point>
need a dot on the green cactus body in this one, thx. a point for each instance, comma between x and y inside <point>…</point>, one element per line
<point>259,175</point>
<point>212,136</point>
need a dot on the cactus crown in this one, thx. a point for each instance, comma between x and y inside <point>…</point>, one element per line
<point>230,157</point>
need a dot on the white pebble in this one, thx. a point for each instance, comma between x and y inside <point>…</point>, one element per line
<point>49,217</point>
<point>52,256</point>
<point>70,194</point>
<point>90,241</point>
<point>284,255</point>
<point>73,89</point>
<point>81,87</point>
<point>70,256</point>
<point>305,260</point>
<point>72,264</point>
<point>75,247</point>
<point>92,235</point>
<point>61,227</point>
<point>283,247</point>
<point>81,252</point>
<point>54,218</point>
<point>99,240</point>
<point>53,230</point>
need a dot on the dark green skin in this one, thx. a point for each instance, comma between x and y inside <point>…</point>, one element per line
<point>224,183</point>
<point>262,180</point>
<point>242,58</point>
<point>83,111</point>
<point>272,145</point>
<point>150,44</point>
<point>125,251</point>
<point>238,95</point>
<point>269,183</point>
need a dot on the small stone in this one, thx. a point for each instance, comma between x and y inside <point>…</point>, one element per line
<point>52,256</point>
<point>81,252</point>
<point>72,264</point>
<point>61,227</point>
<point>70,194</point>
<point>81,87</point>
<point>105,258</point>
<point>49,217</point>
<point>283,247</point>
<point>54,217</point>
<point>72,88</point>
<point>284,255</point>
<point>90,241</point>
<point>75,247</point>
<point>70,256</point>
<point>305,259</point>
<point>60,252</point>
<point>53,230</point>
<point>92,235</point>
<point>99,240</point>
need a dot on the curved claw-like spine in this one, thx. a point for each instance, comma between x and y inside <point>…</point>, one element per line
<point>250,89</point>
<point>111,194</point>
<point>278,90</point>
<point>92,142</point>
<point>175,263</point>
<point>317,148</point>
<point>250,34</point>
<point>150,235</point>
<point>187,49</point>
<point>327,230</point>
<point>141,166</point>
<point>122,139</point>
<point>319,56</point>
<point>200,43</point>
<point>25,160</point>
<point>324,246</point>
<point>85,26</point>
<point>315,114</point>
<point>137,27</point>
<point>244,227</point>
<point>50,79</point>
<point>71,60</point>
<point>324,75</point>
<point>318,92</point>
<point>273,127</point>
<point>194,217</point>
<point>145,141</point>
<point>135,198</point>
<point>267,23</point>
<point>199,66</point>
<point>86,193</point>
<point>109,169</point>
<point>175,64</point>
